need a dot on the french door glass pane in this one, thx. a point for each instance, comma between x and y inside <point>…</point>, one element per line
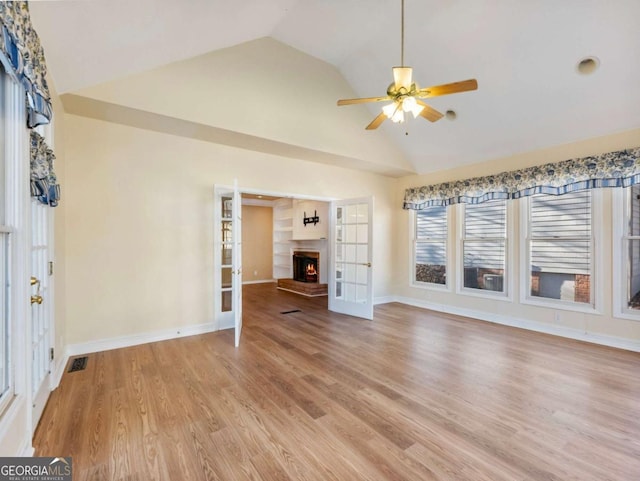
<point>227,207</point>
<point>227,259</point>
<point>352,214</point>
<point>226,301</point>
<point>363,213</point>
<point>350,233</point>
<point>227,277</point>
<point>227,231</point>
<point>350,292</point>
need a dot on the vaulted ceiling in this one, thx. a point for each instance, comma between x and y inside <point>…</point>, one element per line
<point>268,73</point>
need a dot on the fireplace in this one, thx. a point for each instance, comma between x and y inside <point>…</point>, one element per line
<point>305,266</point>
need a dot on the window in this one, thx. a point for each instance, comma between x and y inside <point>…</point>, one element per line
<point>5,326</point>
<point>631,249</point>
<point>559,244</point>
<point>431,245</point>
<point>484,239</point>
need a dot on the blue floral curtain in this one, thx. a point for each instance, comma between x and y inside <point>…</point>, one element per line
<point>44,184</point>
<point>23,56</point>
<point>614,169</point>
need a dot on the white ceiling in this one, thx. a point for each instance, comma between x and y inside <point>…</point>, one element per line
<point>523,54</point>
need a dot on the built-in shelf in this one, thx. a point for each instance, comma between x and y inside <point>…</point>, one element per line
<point>282,234</point>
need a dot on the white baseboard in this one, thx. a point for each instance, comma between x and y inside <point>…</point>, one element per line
<point>263,281</point>
<point>383,300</point>
<point>567,332</point>
<point>136,339</point>
<point>59,370</point>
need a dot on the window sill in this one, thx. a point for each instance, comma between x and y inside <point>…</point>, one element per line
<point>627,315</point>
<point>560,305</point>
<point>430,287</point>
<point>484,294</point>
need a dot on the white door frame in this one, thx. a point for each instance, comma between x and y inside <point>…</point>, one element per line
<point>220,189</point>
<point>222,320</point>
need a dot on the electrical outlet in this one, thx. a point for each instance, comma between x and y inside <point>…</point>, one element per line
<point>255,273</point>
<point>556,316</point>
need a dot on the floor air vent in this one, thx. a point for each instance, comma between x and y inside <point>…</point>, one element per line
<point>78,364</point>
<point>291,312</point>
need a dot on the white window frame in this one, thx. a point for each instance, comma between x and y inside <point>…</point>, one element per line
<point>7,351</point>
<point>596,295</point>
<point>621,199</point>
<point>508,288</point>
<point>447,242</point>
<point>16,197</point>
<point>6,391</point>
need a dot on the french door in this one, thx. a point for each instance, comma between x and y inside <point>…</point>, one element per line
<point>228,259</point>
<point>350,275</point>
<point>41,308</point>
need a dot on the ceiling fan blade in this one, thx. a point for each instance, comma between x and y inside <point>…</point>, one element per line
<point>376,122</point>
<point>362,101</point>
<point>429,113</point>
<point>446,89</point>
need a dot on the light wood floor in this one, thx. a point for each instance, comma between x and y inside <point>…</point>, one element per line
<point>313,395</point>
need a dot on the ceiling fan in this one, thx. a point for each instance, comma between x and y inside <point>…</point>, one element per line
<point>405,95</point>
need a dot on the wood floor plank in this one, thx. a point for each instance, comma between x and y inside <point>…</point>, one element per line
<point>314,395</point>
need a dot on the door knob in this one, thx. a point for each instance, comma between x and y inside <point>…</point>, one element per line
<point>37,299</point>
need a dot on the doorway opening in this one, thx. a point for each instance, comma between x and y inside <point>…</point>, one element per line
<point>315,244</point>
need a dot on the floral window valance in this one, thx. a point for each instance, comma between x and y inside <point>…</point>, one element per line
<point>614,169</point>
<point>44,183</point>
<point>23,56</point>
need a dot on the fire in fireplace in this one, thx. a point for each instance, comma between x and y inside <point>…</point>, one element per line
<point>305,266</point>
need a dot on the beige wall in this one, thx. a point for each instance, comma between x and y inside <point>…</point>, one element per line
<point>255,70</point>
<point>598,324</point>
<point>257,243</point>
<point>139,223</point>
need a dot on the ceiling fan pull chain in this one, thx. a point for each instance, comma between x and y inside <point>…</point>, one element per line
<point>402,36</point>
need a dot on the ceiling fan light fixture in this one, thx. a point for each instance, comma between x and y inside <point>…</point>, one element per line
<point>410,104</point>
<point>394,111</point>
<point>390,109</point>
<point>398,116</point>
<point>402,77</point>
